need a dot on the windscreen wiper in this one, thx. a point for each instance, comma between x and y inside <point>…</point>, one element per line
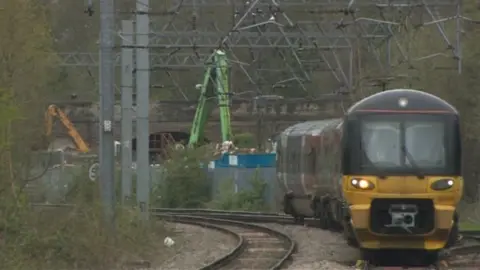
<point>413,163</point>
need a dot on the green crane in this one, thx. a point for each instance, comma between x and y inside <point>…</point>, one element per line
<point>214,89</point>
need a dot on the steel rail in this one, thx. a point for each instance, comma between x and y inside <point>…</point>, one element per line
<point>231,257</point>
<point>212,213</point>
<point>242,217</point>
<point>220,262</point>
<point>205,210</point>
<point>455,254</point>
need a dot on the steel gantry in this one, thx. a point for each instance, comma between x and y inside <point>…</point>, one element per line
<point>325,4</point>
<point>158,60</point>
<point>306,47</point>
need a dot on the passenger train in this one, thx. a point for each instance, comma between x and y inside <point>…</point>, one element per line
<point>388,174</point>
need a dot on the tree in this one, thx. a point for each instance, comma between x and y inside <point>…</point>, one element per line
<point>26,63</point>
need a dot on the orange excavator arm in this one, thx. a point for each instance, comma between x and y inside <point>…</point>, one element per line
<point>54,111</point>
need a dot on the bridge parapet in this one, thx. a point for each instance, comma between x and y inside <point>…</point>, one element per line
<point>169,116</point>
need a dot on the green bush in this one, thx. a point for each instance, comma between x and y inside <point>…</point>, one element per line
<point>184,183</point>
<point>74,237</point>
<point>247,200</point>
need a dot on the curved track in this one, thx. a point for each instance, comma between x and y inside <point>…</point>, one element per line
<point>466,255</point>
<point>258,247</point>
<point>271,244</point>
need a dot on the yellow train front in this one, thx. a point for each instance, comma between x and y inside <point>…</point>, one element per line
<point>402,172</point>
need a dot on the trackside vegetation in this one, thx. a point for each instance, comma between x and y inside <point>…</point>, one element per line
<point>53,238</point>
<point>186,184</point>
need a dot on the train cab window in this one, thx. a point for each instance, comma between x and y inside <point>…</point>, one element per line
<point>381,143</point>
<point>421,144</point>
<point>425,143</point>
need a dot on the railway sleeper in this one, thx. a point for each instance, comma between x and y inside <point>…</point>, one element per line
<point>257,260</point>
<point>265,249</point>
<point>259,244</point>
<point>255,235</point>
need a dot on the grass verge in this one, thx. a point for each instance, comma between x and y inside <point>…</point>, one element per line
<point>469,216</point>
<point>469,226</point>
<point>76,237</point>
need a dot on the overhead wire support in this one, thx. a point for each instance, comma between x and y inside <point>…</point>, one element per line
<point>107,102</point>
<point>127,111</point>
<point>143,104</point>
<point>157,60</point>
<point>267,40</point>
<point>319,47</point>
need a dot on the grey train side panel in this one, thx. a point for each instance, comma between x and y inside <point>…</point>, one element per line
<point>294,172</point>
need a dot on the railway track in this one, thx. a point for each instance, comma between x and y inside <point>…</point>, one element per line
<point>464,256</point>
<point>263,248</point>
<point>258,247</point>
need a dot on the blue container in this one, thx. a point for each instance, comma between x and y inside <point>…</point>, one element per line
<point>252,160</point>
<point>244,161</point>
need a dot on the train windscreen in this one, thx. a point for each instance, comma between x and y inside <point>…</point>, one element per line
<point>416,143</point>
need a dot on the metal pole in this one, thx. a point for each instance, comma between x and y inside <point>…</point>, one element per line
<point>127,110</point>
<point>107,102</point>
<point>142,102</point>
<point>458,32</point>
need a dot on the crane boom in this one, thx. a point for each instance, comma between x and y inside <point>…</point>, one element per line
<point>215,87</point>
<point>54,111</point>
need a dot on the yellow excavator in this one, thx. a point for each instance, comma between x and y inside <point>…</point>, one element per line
<point>54,111</point>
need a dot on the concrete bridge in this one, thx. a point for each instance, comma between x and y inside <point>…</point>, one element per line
<point>175,117</point>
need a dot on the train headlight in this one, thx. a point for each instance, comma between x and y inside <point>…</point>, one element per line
<point>442,184</point>
<point>403,102</point>
<point>362,184</point>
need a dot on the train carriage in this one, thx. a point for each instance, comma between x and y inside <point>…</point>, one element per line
<point>308,166</point>
<point>392,182</point>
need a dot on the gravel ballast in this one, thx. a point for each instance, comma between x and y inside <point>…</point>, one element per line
<point>195,247</point>
<point>318,249</point>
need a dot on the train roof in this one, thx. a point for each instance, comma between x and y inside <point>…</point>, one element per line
<point>415,101</point>
<point>311,127</point>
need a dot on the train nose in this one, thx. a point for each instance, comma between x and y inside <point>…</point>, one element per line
<point>391,184</point>
<point>402,185</point>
